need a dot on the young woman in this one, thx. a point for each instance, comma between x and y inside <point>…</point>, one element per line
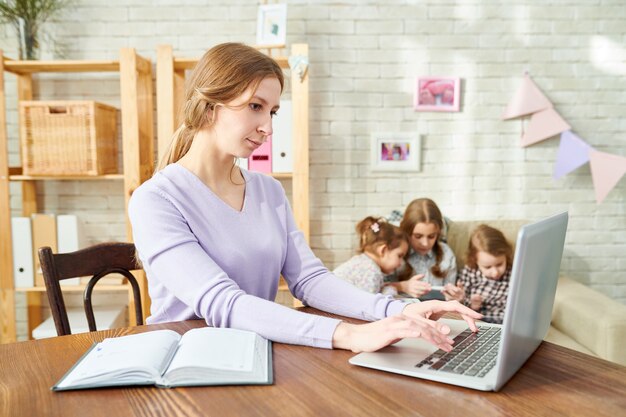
<point>382,248</point>
<point>431,261</point>
<point>214,239</point>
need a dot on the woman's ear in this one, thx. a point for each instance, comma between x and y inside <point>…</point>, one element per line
<point>210,113</point>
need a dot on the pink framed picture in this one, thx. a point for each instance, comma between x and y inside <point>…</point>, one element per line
<point>437,94</point>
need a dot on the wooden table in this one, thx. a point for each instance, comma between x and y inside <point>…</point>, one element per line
<point>309,381</point>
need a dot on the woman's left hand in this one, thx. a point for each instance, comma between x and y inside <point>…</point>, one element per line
<point>370,337</point>
<point>416,320</point>
<point>433,310</point>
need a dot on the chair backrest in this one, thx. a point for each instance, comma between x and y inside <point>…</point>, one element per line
<point>96,261</point>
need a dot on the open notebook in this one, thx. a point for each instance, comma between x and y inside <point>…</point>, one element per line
<point>488,359</point>
<point>204,356</point>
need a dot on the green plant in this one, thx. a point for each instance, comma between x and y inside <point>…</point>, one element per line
<point>27,16</point>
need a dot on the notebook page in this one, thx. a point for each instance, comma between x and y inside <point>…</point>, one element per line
<point>116,356</point>
<point>216,348</point>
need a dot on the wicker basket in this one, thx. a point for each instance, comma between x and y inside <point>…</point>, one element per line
<point>68,138</point>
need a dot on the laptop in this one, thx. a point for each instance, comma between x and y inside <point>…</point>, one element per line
<point>494,354</point>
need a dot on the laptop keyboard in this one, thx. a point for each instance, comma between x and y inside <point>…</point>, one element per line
<point>474,354</point>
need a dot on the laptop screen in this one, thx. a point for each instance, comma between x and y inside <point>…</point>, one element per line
<point>534,278</point>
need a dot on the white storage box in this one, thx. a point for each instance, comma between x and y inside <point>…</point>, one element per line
<point>107,317</point>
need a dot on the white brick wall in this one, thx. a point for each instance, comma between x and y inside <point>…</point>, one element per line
<point>364,59</point>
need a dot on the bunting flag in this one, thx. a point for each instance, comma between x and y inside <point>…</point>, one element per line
<point>606,171</point>
<point>543,125</point>
<point>527,100</point>
<point>573,153</point>
<point>545,122</point>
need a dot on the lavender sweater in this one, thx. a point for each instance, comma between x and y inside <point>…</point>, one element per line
<point>205,259</point>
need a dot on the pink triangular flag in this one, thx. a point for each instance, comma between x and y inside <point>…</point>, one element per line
<point>544,125</point>
<point>606,171</point>
<point>573,153</point>
<point>527,99</point>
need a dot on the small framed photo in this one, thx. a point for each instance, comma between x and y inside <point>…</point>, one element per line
<point>271,24</point>
<point>437,94</point>
<point>395,152</point>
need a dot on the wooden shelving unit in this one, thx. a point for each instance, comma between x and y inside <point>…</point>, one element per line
<point>170,90</point>
<point>137,147</point>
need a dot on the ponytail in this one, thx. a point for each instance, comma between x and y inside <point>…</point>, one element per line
<point>179,146</point>
<point>375,231</point>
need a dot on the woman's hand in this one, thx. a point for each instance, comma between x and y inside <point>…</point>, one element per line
<point>376,335</point>
<point>434,309</point>
<point>453,292</point>
<point>414,286</point>
<point>416,320</point>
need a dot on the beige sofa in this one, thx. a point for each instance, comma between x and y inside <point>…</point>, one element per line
<point>582,319</point>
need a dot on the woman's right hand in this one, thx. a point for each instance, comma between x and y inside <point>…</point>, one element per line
<point>414,286</point>
<point>373,336</point>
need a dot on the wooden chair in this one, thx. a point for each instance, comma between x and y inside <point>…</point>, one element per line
<point>98,261</point>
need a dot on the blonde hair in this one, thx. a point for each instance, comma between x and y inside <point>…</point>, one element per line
<point>224,73</point>
<point>375,232</point>
<point>424,210</point>
<point>490,240</point>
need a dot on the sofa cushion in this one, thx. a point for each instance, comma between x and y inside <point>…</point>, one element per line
<point>561,339</point>
<point>592,319</point>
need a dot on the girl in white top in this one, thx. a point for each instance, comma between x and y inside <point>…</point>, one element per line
<point>382,248</point>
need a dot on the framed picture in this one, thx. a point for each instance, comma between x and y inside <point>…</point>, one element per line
<point>437,94</point>
<point>271,24</point>
<point>395,152</point>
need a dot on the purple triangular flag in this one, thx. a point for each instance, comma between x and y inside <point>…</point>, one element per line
<point>573,153</point>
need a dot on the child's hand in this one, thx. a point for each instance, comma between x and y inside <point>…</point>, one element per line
<point>414,286</point>
<point>453,292</point>
<point>476,301</point>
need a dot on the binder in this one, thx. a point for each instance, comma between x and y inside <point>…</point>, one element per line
<point>70,238</point>
<point>242,163</point>
<point>282,138</point>
<point>22,243</point>
<point>261,158</point>
<point>44,234</point>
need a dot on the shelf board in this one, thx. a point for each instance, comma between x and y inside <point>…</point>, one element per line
<point>65,177</point>
<point>15,175</point>
<point>78,288</point>
<point>282,175</point>
<point>21,67</point>
<point>19,177</point>
<point>189,63</point>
